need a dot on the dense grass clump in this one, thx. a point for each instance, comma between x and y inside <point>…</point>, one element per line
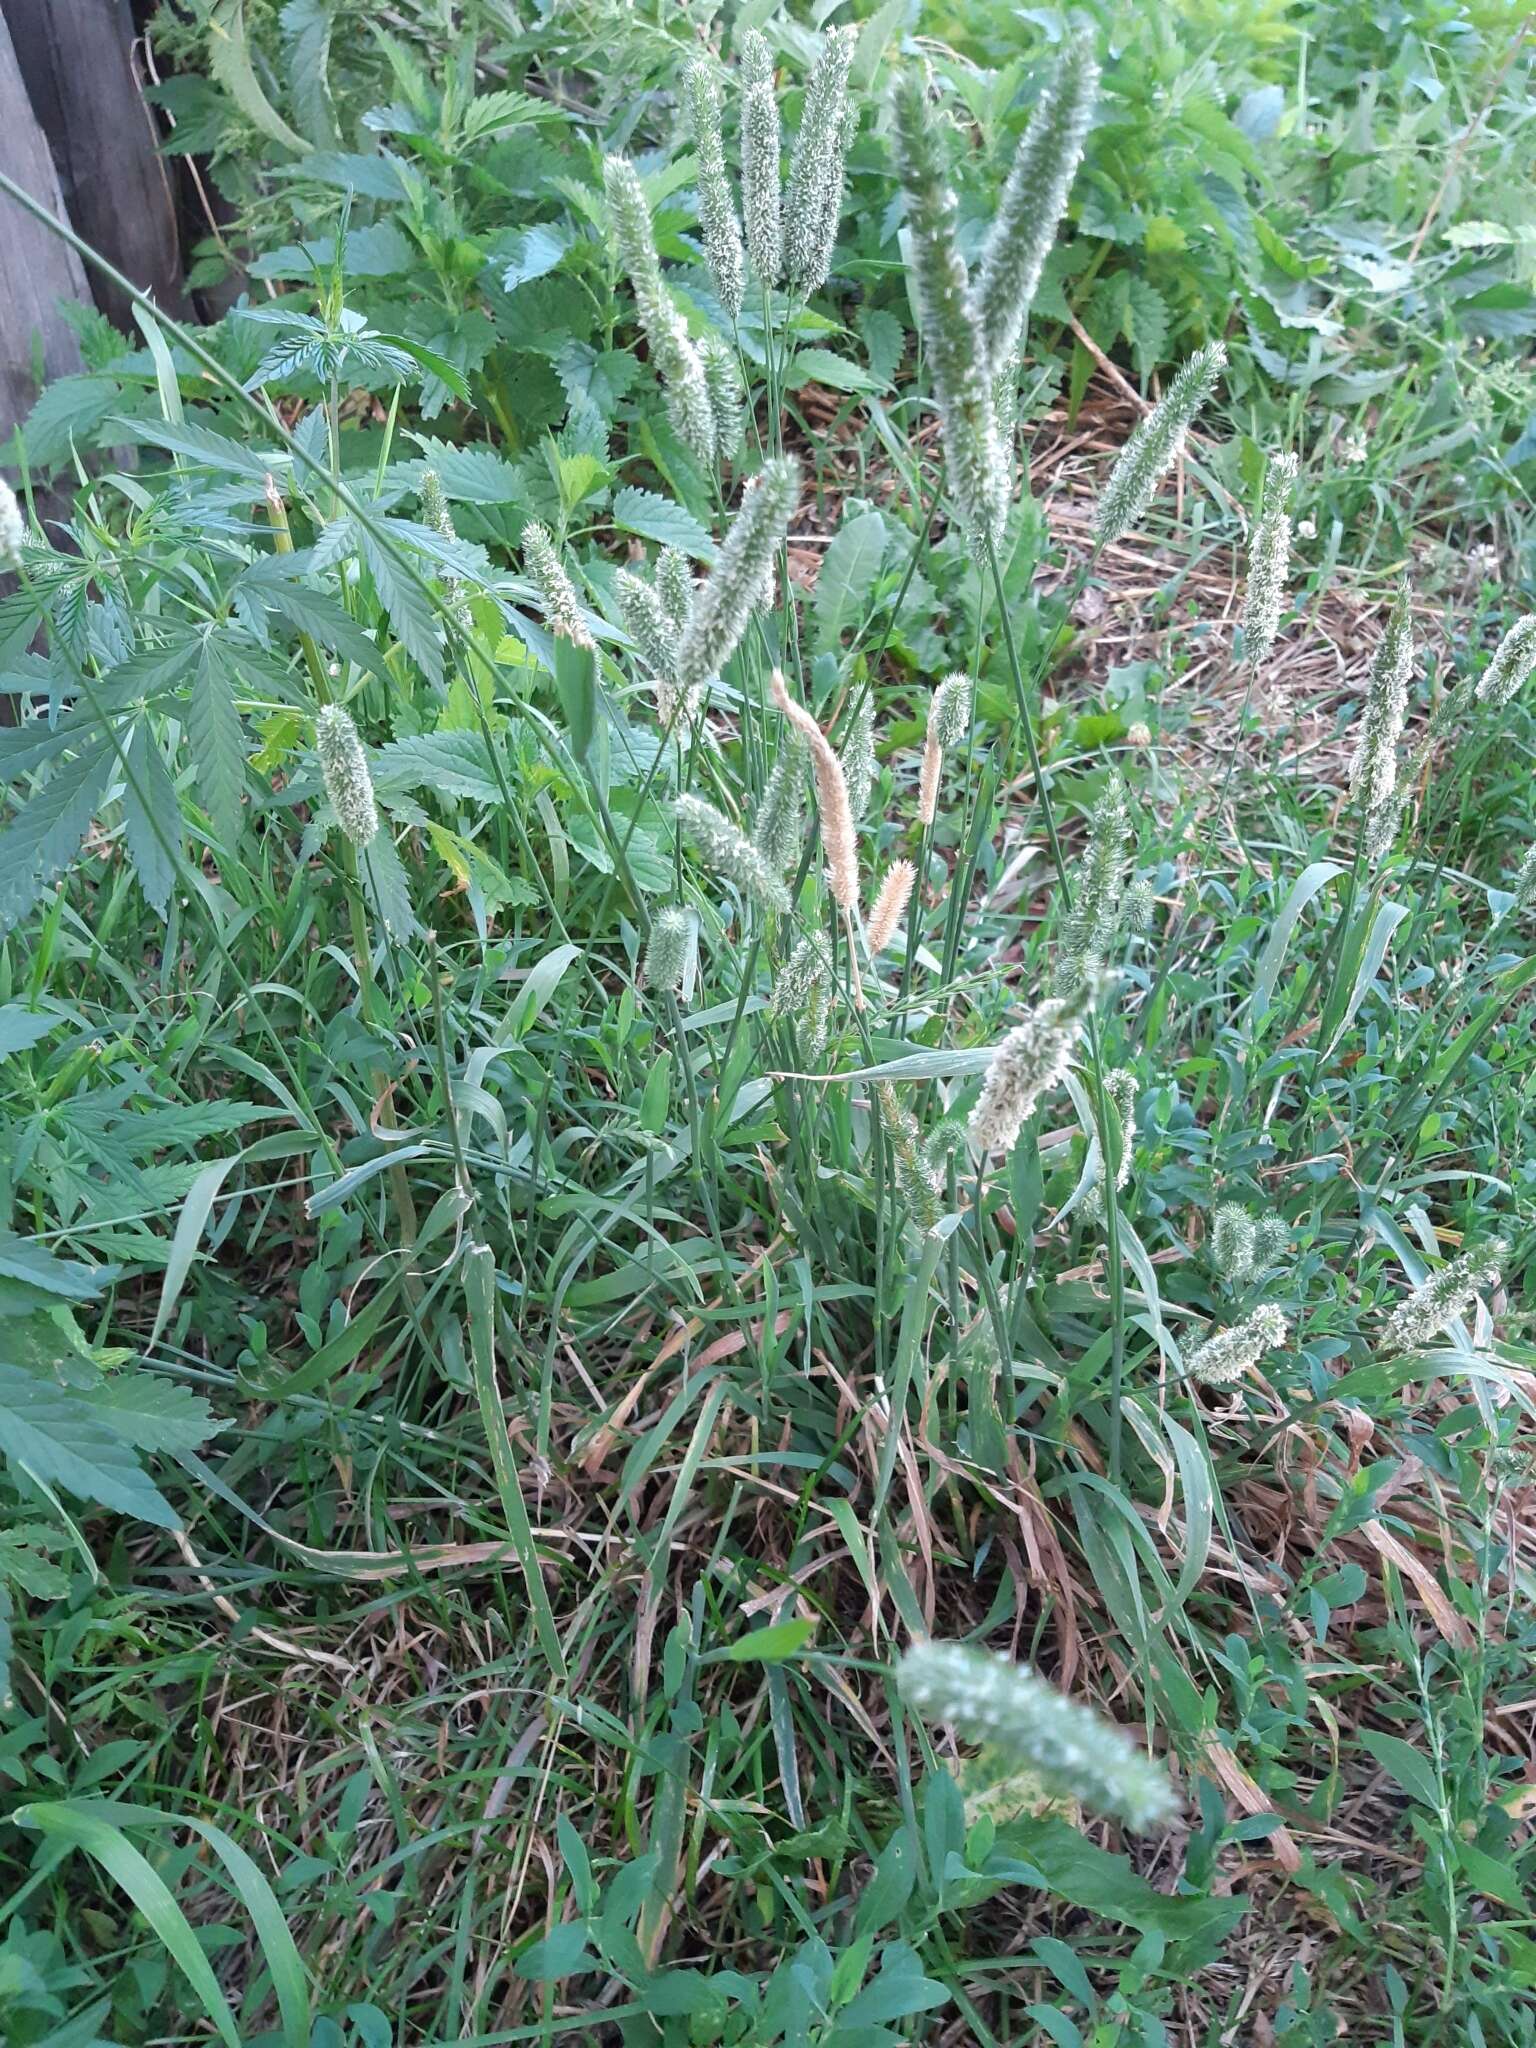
<point>765,1023</point>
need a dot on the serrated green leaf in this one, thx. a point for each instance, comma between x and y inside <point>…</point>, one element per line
<point>454,763</point>
<point>820,366</point>
<point>656,518</point>
<point>45,835</point>
<point>218,741</point>
<point>407,604</point>
<point>23,1563</point>
<point>387,888</point>
<point>229,59</point>
<point>153,1413</point>
<point>149,799</point>
<point>21,1258</point>
<point>53,1432</point>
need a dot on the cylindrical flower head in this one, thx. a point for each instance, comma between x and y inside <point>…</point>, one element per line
<point>1373,771</point>
<point>666,951</point>
<point>1156,444</point>
<point>1268,560</point>
<point>1234,1243</point>
<point>917,1179</point>
<point>722,604</point>
<point>1034,198</point>
<point>1443,1296</point>
<point>1513,660</point>
<point>717,211</point>
<point>722,380</point>
<point>761,204</point>
<point>434,506</point>
<point>13,527</point>
<point>1094,920</point>
<point>1524,889</point>
<point>344,771</point>
<point>859,765</point>
<point>729,852</point>
<point>816,167</point>
<point>1222,1360</point>
<point>957,362</point>
<point>1076,1751</point>
<point>1120,1089</point>
<point>832,805</point>
<point>890,901</point>
<point>776,830</point>
<point>674,585</point>
<point>646,621</point>
<point>665,329</point>
<point>557,593</point>
<point>949,714</point>
<point>797,982</point>
<point>1031,1058</point>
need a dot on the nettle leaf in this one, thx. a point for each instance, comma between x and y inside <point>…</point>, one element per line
<point>52,1432</point>
<point>149,800</point>
<point>218,741</point>
<point>472,476</point>
<point>45,835</point>
<point>66,414</point>
<point>534,252</point>
<point>820,366</point>
<point>452,763</point>
<point>659,519</point>
<point>229,59</point>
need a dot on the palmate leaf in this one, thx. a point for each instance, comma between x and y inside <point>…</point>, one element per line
<point>218,743</point>
<point>151,819</point>
<point>54,1433</point>
<point>45,835</point>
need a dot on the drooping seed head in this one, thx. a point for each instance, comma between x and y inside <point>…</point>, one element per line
<point>344,771</point>
<point>730,852</point>
<point>717,210</point>
<point>1442,1297</point>
<point>1028,1060</point>
<point>1222,1360</point>
<point>667,949</point>
<point>723,603</point>
<point>1268,560</point>
<point>1034,198</point>
<point>557,594</point>
<point>665,329</point>
<point>957,360</point>
<point>1156,444</point>
<point>1009,1708</point>
<point>832,806</point>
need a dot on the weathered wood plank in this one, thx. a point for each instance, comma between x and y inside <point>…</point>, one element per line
<point>36,269</point>
<point>76,61</point>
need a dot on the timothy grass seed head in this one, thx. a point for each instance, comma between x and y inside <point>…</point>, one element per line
<point>1268,561</point>
<point>1513,660</point>
<point>557,593</point>
<point>1007,1707</point>
<point>1222,1360</point>
<point>1424,1313</point>
<point>832,806</point>
<point>344,771</point>
<point>717,211</point>
<point>722,604</point>
<point>1156,443</point>
<point>729,852</point>
<point>817,164</point>
<point>1028,1060</point>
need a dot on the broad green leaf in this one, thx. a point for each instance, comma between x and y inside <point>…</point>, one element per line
<point>23,1259</point>
<point>847,576</point>
<point>770,1645</point>
<point>820,366</point>
<point>1409,1766</point>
